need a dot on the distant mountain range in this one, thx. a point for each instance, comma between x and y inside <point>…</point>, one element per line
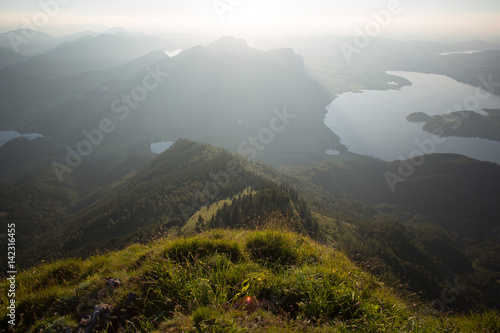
<point>33,42</point>
<point>66,91</point>
<point>364,68</point>
<point>225,80</point>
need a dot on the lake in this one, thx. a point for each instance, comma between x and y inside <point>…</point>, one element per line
<point>6,136</point>
<point>160,147</point>
<point>460,52</point>
<point>373,122</point>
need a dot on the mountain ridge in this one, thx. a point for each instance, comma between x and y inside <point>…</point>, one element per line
<point>159,196</point>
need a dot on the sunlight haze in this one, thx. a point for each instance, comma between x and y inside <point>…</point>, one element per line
<point>258,18</point>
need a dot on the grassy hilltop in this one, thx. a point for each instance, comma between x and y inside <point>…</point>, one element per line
<point>270,280</point>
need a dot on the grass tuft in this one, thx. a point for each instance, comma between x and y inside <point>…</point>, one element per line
<point>192,249</point>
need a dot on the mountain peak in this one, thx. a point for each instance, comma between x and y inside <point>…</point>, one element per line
<point>35,34</point>
<point>237,46</point>
<point>115,30</point>
<point>230,44</point>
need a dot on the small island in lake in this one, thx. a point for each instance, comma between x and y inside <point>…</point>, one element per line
<point>467,124</point>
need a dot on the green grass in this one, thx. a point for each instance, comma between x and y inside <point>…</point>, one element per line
<point>207,211</point>
<point>193,249</point>
<point>224,281</point>
<point>276,248</point>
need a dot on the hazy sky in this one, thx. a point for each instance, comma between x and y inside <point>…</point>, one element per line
<point>427,18</point>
